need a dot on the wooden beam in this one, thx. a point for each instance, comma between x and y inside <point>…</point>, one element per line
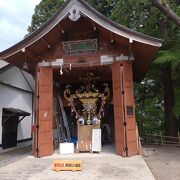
<point>62,30</point>
<point>46,42</point>
<point>130,46</point>
<point>31,55</point>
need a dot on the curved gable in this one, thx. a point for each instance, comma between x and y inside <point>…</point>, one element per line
<point>40,42</point>
<point>94,15</point>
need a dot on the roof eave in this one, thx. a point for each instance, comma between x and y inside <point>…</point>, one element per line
<point>90,12</point>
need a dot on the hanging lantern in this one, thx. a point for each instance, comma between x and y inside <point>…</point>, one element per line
<point>81,121</point>
<point>95,121</point>
<point>61,71</point>
<point>25,65</point>
<point>88,122</point>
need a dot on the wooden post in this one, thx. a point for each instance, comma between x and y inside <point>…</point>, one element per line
<point>129,108</point>
<point>124,113</point>
<point>179,137</point>
<point>43,138</point>
<point>120,139</point>
<point>161,138</point>
<point>139,146</point>
<point>36,114</point>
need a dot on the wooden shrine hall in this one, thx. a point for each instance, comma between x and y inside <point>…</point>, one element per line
<point>90,62</point>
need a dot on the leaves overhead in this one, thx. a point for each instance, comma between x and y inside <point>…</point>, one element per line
<point>43,12</point>
<point>163,6</point>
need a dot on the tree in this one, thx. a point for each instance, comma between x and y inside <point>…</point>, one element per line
<point>149,103</point>
<point>103,6</point>
<point>163,6</point>
<point>143,17</point>
<point>43,11</point>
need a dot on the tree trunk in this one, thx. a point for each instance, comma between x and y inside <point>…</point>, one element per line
<point>165,9</point>
<point>170,120</point>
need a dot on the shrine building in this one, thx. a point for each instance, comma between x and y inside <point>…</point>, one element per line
<point>84,66</point>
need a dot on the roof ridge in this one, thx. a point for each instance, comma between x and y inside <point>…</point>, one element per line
<point>126,31</point>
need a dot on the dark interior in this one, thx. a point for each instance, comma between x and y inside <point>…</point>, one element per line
<point>10,120</point>
<point>72,78</point>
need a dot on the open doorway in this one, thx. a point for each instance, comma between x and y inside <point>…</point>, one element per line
<point>10,119</point>
<point>73,78</point>
<point>124,120</point>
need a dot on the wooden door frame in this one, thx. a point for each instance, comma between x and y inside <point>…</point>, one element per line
<point>40,124</point>
<point>123,97</point>
<point>120,72</point>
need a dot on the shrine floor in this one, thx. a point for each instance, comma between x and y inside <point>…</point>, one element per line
<point>105,165</point>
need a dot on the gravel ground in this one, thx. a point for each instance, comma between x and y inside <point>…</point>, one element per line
<point>163,161</point>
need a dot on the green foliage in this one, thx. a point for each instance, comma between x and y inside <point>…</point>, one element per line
<point>168,56</point>
<point>43,12</point>
<point>142,16</point>
<point>131,13</point>
<point>103,6</point>
<point>149,103</point>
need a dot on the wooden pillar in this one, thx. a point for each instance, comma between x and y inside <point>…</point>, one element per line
<point>124,114</point>
<point>120,140</point>
<point>42,136</point>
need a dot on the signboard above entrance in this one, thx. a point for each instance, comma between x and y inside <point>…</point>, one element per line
<point>80,46</point>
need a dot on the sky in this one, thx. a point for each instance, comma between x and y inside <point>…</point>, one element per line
<point>15,17</point>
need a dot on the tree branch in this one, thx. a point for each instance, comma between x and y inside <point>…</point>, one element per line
<point>164,8</point>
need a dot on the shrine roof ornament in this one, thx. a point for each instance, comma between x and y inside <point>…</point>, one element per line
<point>74,14</point>
<point>142,47</point>
<point>74,9</point>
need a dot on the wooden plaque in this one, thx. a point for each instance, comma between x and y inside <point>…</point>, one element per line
<point>67,165</point>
